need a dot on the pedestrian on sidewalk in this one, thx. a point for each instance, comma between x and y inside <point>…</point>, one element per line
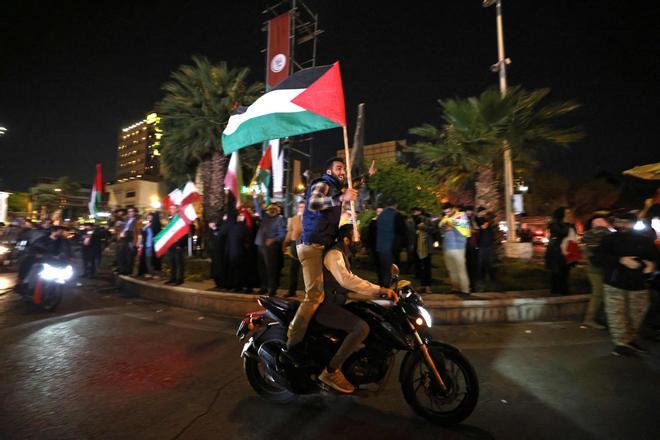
<point>486,242</point>
<point>293,233</point>
<point>422,245</point>
<point>456,230</point>
<point>560,255</point>
<point>128,241</point>
<point>391,236</point>
<point>150,229</point>
<point>91,245</point>
<point>627,259</point>
<point>175,257</point>
<point>234,233</point>
<point>597,227</point>
<point>269,241</point>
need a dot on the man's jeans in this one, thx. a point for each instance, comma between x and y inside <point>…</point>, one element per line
<point>311,260</point>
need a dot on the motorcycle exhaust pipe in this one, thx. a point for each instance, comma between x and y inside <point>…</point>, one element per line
<point>268,354</point>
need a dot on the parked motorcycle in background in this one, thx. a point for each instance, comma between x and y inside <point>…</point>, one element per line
<point>437,381</point>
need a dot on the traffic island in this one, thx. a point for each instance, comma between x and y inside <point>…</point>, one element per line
<point>445,308</point>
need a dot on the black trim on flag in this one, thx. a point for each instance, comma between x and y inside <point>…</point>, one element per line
<point>303,78</point>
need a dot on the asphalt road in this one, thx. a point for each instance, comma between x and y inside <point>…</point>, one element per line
<point>105,367</point>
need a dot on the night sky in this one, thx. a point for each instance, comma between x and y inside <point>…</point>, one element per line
<point>73,73</point>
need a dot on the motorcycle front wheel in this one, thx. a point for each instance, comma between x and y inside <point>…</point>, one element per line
<point>441,407</point>
<point>52,296</point>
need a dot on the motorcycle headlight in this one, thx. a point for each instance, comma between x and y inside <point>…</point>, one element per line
<point>424,318</point>
<point>57,274</point>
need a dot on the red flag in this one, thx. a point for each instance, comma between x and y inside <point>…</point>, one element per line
<point>277,69</point>
<point>98,181</point>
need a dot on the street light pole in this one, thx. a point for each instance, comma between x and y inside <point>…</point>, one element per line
<point>500,67</point>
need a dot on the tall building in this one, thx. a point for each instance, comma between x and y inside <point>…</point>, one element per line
<point>137,149</point>
<point>385,151</point>
<point>139,180</point>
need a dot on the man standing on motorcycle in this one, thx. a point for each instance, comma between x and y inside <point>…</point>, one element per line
<point>323,203</point>
<point>338,280</point>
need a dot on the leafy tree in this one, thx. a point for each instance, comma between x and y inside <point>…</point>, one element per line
<point>410,187</point>
<point>467,148</point>
<point>198,101</point>
<point>18,202</point>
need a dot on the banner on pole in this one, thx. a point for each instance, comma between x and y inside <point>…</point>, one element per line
<point>279,29</point>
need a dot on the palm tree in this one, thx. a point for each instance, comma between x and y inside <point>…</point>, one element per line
<point>468,147</point>
<point>199,99</point>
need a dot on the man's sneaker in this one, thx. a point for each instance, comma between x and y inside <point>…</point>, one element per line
<point>637,348</point>
<point>337,381</point>
<point>623,350</point>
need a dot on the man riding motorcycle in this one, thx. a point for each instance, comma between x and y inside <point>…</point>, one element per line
<point>338,280</point>
<point>52,245</point>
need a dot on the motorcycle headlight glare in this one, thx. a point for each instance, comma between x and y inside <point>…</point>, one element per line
<point>57,274</point>
<point>426,316</point>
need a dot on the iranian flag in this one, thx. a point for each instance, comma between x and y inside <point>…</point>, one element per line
<point>307,101</point>
<point>234,178</point>
<point>97,192</point>
<point>179,225</point>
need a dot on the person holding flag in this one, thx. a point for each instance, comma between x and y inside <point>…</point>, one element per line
<point>175,252</point>
<point>323,203</point>
<point>174,238</point>
<point>309,100</point>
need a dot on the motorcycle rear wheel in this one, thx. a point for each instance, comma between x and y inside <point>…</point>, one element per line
<point>257,372</point>
<point>422,394</point>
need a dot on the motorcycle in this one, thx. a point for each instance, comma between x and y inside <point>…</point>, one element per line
<point>44,285</point>
<point>437,380</point>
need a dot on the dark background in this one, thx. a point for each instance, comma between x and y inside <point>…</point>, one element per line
<point>73,73</point>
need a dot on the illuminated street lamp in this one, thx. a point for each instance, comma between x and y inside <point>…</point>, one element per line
<point>500,67</point>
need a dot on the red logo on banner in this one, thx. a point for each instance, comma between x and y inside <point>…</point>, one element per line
<point>279,29</point>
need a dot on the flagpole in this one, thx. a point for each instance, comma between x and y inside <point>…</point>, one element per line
<point>356,230</point>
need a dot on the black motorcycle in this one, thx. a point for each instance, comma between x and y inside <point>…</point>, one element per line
<point>437,381</point>
<point>44,285</point>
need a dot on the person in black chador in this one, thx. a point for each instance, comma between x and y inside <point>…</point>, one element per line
<point>235,234</point>
<point>217,254</point>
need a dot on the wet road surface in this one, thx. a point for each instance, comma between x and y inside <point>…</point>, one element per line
<point>103,366</point>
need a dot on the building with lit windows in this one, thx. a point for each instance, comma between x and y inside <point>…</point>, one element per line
<point>138,149</point>
<point>139,181</point>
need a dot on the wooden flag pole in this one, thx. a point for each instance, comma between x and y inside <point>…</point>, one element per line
<point>356,230</point>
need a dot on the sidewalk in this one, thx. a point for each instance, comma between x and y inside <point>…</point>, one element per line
<point>510,306</point>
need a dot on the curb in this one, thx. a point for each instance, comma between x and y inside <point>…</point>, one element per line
<point>236,305</point>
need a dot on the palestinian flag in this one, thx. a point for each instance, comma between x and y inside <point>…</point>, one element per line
<point>307,101</point>
<point>264,169</point>
<point>179,225</point>
<point>97,192</point>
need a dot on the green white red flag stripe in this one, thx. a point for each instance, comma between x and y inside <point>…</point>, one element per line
<point>179,225</point>
<point>97,191</point>
<point>307,101</point>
